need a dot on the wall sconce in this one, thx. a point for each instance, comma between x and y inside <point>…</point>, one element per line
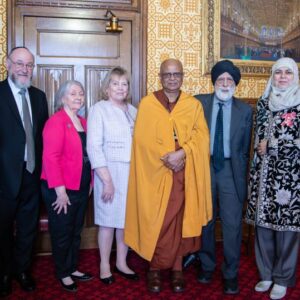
<point>113,24</point>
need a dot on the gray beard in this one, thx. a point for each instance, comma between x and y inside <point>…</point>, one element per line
<point>18,84</point>
<point>225,96</point>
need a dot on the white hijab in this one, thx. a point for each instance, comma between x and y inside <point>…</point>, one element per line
<point>280,99</point>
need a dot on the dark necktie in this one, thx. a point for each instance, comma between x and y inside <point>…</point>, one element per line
<point>30,164</point>
<point>218,151</point>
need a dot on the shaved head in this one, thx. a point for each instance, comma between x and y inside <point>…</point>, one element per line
<point>171,62</point>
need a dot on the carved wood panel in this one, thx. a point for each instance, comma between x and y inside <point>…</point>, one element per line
<point>49,79</point>
<point>94,76</point>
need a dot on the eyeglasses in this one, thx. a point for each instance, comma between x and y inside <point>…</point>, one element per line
<point>176,75</point>
<point>21,65</point>
<point>221,81</point>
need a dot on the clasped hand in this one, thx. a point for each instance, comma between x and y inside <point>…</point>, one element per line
<point>174,160</point>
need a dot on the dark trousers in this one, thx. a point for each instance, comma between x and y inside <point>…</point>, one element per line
<point>18,226</point>
<point>276,254</point>
<point>230,212</point>
<point>65,229</point>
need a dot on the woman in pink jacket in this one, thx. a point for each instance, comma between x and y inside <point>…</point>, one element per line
<point>66,177</point>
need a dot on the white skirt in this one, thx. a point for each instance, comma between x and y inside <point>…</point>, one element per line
<point>112,213</point>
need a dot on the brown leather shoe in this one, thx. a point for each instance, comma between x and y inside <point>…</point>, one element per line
<point>154,281</point>
<point>177,281</point>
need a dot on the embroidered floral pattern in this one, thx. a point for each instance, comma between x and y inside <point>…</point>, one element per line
<point>274,186</point>
<point>288,119</point>
<point>283,197</point>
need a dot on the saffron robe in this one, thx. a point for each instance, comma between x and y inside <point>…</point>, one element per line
<point>150,182</point>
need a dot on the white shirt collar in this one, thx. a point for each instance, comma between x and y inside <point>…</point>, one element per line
<point>15,90</point>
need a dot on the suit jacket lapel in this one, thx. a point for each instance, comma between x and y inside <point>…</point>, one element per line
<point>209,109</point>
<point>235,118</point>
<point>11,102</point>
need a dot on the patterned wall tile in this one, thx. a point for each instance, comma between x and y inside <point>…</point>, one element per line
<point>3,37</point>
<point>174,32</point>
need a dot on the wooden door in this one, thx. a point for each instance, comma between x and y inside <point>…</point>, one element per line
<point>73,48</point>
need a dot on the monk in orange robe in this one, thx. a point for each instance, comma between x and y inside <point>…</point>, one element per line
<point>169,194</point>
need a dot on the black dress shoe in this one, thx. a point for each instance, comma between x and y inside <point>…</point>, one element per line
<point>69,287</point>
<point>231,286</point>
<point>108,280</point>
<point>133,276</point>
<point>154,281</point>
<point>205,277</point>
<point>26,281</point>
<point>5,286</point>
<point>177,281</point>
<point>189,260</point>
<point>84,277</point>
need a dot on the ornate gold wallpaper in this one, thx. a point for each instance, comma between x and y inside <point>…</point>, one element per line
<point>3,38</point>
<point>176,28</point>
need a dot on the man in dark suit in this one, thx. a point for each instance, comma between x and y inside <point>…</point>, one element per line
<point>23,113</point>
<point>230,124</point>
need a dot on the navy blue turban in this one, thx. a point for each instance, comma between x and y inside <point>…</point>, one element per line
<point>225,66</point>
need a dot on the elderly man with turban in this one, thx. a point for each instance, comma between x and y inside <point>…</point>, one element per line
<point>230,123</point>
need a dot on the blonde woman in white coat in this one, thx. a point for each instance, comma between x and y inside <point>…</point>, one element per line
<point>110,129</point>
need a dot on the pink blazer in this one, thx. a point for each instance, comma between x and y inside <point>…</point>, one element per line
<point>62,152</point>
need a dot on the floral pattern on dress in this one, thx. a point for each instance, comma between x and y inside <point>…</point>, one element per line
<point>274,187</point>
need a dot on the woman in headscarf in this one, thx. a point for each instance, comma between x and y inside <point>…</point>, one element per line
<point>274,189</point>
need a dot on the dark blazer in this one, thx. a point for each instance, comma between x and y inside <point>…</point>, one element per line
<point>12,137</point>
<point>240,138</point>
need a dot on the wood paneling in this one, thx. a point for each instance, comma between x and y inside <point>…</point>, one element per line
<point>79,44</point>
<point>82,43</point>
<point>119,4</point>
<point>94,76</point>
<point>76,36</point>
<point>49,79</point>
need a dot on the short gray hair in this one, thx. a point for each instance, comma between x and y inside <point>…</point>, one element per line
<point>62,91</point>
<point>119,71</point>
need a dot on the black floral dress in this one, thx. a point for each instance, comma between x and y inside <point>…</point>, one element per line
<point>274,188</point>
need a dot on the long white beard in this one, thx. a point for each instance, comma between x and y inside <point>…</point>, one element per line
<point>225,94</point>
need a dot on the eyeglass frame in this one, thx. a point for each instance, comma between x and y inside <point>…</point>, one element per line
<point>169,75</point>
<point>21,65</point>
<point>221,81</point>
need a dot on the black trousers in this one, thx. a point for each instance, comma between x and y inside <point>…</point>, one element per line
<point>18,226</point>
<point>65,229</point>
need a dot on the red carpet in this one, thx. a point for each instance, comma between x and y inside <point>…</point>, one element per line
<point>49,288</point>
